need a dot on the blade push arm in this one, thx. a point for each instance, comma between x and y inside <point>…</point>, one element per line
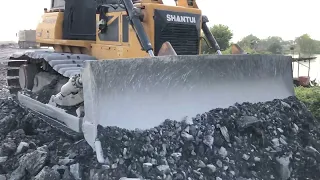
<point>212,41</point>
<point>135,22</point>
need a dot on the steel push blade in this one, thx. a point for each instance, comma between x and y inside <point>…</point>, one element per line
<point>143,92</point>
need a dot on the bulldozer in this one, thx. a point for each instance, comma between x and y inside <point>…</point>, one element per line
<point>133,64</point>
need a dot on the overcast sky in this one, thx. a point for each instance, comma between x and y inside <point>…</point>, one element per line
<point>263,18</point>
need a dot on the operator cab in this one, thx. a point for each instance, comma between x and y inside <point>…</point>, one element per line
<point>79,22</point>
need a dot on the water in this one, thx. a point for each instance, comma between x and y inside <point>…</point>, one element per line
<point>303,68</point>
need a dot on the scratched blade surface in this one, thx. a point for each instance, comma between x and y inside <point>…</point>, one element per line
<point>143,92</point>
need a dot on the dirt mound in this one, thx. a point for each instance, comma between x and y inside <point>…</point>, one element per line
<point>29,147</point>
<point>273,140</point>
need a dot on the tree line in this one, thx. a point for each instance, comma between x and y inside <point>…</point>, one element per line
<point>304,44</point>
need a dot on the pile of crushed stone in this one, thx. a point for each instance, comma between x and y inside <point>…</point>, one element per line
<point>32,149</point>
<point>273,140</point>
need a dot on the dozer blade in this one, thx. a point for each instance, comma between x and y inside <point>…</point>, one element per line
<point>143,92</point>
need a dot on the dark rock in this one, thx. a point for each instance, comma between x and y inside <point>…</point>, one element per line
<point>8,148</point>
<point>52,145</point>
<point>245,157</point>
<point>61,169</point>
<point>208,140</point>
<point>76,170</point>
<point>284,167</point>
<point>22,147</point>
<point>247,121</point>
<point>3,177</point>
<point>18,134</point>
<point>67,175</point>
<point>81,149</point>
<point>47,173</point>
<point>34,162</point>
<point>211,168</point>
<point>18,174</point>
<point>163,169</point>
<point>32,145</point>
<point>99,174</point>
<point>66,161</point>
<point>223,152</point>
<point>225,134</point>
<point>3,159</point>
<point>257,159</point>
<point>219,163</point>
<point>7,124</point>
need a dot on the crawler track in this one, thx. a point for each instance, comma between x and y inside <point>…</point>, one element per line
<point>64,65</point>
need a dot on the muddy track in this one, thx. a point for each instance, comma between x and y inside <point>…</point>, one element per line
<point>4,56</point>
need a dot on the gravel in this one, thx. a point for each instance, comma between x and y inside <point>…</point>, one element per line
<point>274,140</point>
<point>257,141</point>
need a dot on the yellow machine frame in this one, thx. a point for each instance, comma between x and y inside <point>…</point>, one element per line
<point>49,32</point>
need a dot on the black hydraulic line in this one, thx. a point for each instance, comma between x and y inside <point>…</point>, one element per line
<point>212,41</point>
<point>138,27</point>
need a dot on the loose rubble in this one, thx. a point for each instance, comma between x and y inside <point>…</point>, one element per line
<point>258,141</point>
<point>273,140</point>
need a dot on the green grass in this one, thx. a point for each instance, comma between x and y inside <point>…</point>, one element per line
<point>311,98</point>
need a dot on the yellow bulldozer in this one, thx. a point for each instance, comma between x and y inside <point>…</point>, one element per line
<point>133,64</point>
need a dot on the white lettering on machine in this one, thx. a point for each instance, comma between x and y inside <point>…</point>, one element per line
<point>183,19</point>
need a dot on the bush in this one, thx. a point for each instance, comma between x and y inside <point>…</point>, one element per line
<point>311,98</point>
